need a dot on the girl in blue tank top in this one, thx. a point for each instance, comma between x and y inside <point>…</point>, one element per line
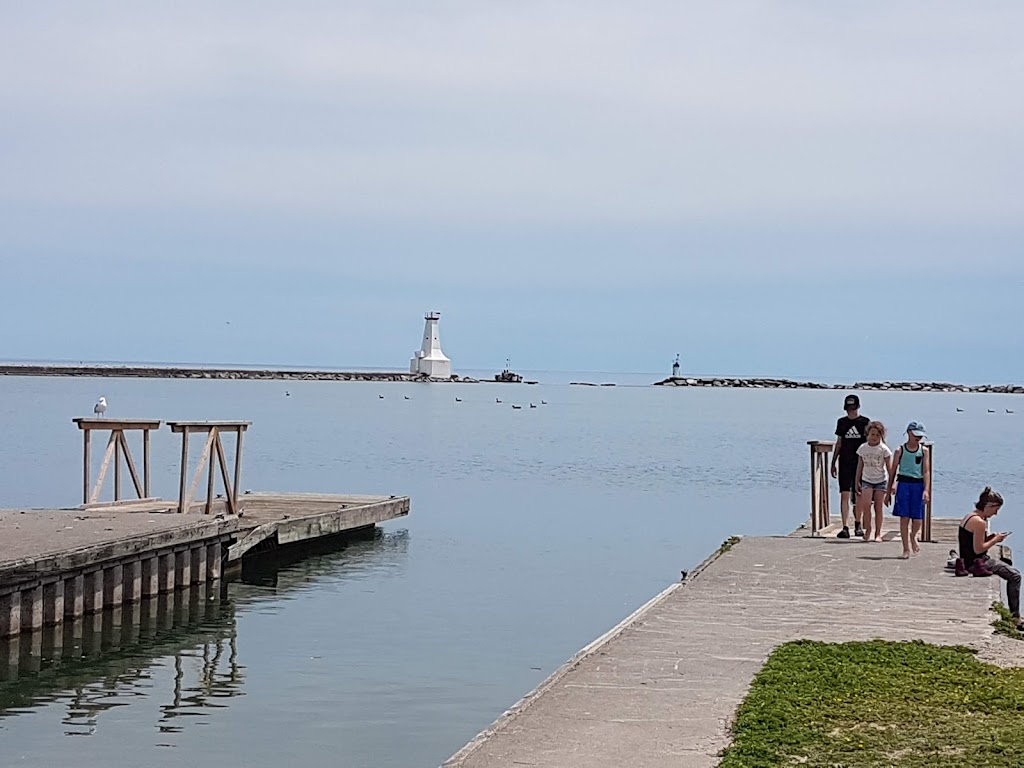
<point>913,481</point>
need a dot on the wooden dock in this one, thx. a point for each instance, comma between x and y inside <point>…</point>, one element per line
<point>661,688</point>
<point>58,564</point>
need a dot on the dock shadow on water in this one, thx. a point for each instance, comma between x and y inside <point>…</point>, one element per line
<point>180,649</point>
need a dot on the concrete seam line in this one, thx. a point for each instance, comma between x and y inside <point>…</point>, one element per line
<point>520,706</point>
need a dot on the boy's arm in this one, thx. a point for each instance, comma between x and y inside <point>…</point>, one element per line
<point>892,474</point>
<point>835,455</point>
<point>927,475</point>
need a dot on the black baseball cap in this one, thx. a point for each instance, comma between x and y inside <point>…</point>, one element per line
<point>851,403</point>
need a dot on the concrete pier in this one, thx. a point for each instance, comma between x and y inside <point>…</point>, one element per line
<point>661,688</point>
<point>58,565</point>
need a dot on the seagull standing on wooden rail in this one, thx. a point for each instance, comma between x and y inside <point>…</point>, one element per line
<point>101,407</point>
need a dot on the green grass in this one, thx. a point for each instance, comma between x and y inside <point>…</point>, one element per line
<point>854,705</point>
<point>1005,623</point>
<point>728,544</point>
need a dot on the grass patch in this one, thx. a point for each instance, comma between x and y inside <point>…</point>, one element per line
<point>854,705</point>
<point>1005,624</point>
<point>728,544</point>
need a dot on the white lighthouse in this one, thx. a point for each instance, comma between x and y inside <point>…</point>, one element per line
<point>429,359</point>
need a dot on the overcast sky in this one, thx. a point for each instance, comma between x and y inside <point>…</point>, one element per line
<point>792,188</point>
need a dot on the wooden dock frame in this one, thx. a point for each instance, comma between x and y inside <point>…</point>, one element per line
<point>116,445</point>
<point>212,430</point>
<point>820,451</point>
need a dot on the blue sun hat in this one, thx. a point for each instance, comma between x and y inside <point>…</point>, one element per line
<point>916,428</point>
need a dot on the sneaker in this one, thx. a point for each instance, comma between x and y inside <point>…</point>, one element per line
<point>844,534</point>
<point>857,530</point>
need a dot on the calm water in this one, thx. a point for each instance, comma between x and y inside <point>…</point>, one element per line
<point>531,532</point>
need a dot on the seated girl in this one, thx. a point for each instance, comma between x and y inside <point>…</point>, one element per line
<point>975,543</point>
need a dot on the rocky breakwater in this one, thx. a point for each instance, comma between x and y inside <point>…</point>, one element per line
<point>727,381</point>
<point>880,386</point>
<point>937,386</point>
<point>267,374</point>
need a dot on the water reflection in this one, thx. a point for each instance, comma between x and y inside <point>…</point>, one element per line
<point>179,650</point>
<point>101,661</point>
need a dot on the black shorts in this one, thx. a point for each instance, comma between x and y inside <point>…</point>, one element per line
<point>847,474</point>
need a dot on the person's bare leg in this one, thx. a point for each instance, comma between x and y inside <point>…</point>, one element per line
<point>879,513</point>
<point>864,513</point>
<point>905,536</point>
<point>915,533</point>
<point>844,508</point>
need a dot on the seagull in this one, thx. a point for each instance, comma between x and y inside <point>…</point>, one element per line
<point>101,407</point>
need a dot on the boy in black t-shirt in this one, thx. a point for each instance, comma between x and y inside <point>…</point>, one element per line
<point>851,434</point>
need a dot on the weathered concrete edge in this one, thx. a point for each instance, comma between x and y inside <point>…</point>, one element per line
<point>510,714</point>
<point>289,531</point>
<point>112,549</point>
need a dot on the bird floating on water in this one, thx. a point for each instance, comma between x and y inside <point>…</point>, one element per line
<point>1008,410</point>
<point>380,397</point>
<point>406,397</point>
<point>497,401</point>
<point>543,402</point>
<point>959,410</point>
<point>458,399</point>
<point>101,407</point>
<point>517,407</point>
<point>990,410</point>
<point>532,405</point>
<point>287,393</point>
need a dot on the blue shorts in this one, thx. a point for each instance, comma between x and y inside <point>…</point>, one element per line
<point>909,500</point>
<point>866,487</point>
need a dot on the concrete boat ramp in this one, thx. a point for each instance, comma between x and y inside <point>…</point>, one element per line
<point>660,689</point>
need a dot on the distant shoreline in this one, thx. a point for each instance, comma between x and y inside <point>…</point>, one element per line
<point>192,372</point>
<point>877,386</point>
<point>311,374</point>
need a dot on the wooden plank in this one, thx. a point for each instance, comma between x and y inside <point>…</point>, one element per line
<point>814,490</point>
<point>199,471</point>
<point>87,464</point>
<point>92,423</point>
<point>210,443</point>
<point>235,489</point>
<point>206,426</point>
<point>145,463</point>
<point>229,492</point>
<point>103,469</point>
<point>147,504</point>
<point>182,501</point>
<point>114,435</point>
<point>131,466</point>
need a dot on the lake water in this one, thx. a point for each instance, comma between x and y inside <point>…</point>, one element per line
<point>531,532</point>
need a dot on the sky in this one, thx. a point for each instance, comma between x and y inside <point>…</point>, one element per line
<point>806,189</point>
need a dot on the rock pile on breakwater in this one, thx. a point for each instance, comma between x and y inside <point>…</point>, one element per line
<point>894,386</point>
<point>267,374</point>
